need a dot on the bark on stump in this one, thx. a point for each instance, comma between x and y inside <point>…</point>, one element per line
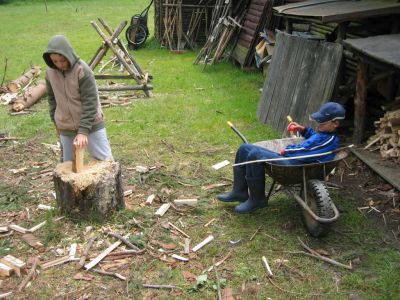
<point>95,193</point>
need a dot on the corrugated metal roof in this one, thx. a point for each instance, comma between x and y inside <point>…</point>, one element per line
<point>337,10</point>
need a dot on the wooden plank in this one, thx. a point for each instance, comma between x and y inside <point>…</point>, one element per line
<point>383,48</point>
<point>96,260</point>
<point>384,168</point>
<point>301,77</point>
<point>191,202</point>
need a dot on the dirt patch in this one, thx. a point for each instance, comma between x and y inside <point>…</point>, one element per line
<point>373,197</point>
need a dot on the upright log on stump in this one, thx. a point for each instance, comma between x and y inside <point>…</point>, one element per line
<point>93,193</point>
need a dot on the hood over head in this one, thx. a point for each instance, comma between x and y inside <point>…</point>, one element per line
<point>59,44</point>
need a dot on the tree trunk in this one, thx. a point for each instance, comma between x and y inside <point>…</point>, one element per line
<point>31,96</point>
<point>94,193</point>
<point>15,85</point>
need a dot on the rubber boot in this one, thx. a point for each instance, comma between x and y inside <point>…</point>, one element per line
<point>239,190</point>
<point>257,197</point>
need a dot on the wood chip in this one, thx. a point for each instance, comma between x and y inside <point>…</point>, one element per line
<point>191,202</point>
<point>16,264</point>
<point>5,270</point>
<point>18,228</point>
<point>178,257</point>
<point>33,241</point>
<point>203,243</point>
<point>150,199</point>
<point>162,209</point>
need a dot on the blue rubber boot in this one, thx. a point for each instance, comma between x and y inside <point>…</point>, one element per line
<point>257,197</point>
<point>239,191</point>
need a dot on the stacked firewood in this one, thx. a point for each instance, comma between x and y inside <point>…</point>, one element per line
<point>387,136</point>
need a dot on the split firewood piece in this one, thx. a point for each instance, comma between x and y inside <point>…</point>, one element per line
<point>267,267</point>
<point>178,257</point>
<point>15,85</point>
<point>31,275</point>
<point>55,262</point>
<point>203,243</point>
<point>5,271</point>
<point>96,260</point>
<point>33,241</point>
<point>36,227</point>
<point>16,264</point>
<point>86,252</point>
<point>30,97</point>
<point>159,286</point>
<point>178,229</point>
<point>128,193</point>
<point>18,228</point>
<point>77,161</point>
<point>192,202</point>
<point>150,199</point>
<point>5,295</point>
<point>187,246</point>
<point>162,209</point>
<point>4,229</point>
<point>124,240</point>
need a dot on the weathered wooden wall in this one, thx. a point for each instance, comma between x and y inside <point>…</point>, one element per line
<point>301,77</point>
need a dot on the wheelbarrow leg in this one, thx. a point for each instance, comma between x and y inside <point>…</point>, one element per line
<point>270,190</point>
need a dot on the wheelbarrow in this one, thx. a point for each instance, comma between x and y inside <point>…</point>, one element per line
<point>137,33</point>
<point>318,209</point>
<point>305,183</point>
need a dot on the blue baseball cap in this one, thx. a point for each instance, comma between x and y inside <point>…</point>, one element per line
<point>329,111</point>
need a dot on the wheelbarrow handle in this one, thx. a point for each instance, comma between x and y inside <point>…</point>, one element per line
<point>237,132</point>
<point>292,157</point>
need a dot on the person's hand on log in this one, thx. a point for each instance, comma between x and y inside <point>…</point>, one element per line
<point>81,140</point>
<point>294,127</point>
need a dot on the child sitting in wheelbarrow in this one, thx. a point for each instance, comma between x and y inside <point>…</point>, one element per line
<point>249,180</point>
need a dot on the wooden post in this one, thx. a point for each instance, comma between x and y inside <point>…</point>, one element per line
<point>360,102</point>
<point>77,162</point>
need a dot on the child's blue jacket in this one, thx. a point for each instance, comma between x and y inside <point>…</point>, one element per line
<point>316,142</point>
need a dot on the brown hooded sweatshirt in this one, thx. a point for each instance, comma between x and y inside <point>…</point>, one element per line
<point>72,94</point>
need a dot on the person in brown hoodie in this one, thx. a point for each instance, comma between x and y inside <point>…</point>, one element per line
<point>74,102</point>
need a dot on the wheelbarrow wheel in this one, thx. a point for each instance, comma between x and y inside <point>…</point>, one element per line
<point>319,201</point>
<point>136,35</point>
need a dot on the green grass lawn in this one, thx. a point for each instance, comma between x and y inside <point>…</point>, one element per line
<point>183,129</point>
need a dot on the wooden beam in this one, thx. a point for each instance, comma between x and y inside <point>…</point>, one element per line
<point>360,102</point>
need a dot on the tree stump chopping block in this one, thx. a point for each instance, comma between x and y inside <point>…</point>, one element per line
<point>94,193</point>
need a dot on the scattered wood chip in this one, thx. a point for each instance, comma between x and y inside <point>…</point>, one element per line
<point>203,243</point>
<point>33,241</point>
<point>127,193</point>
<point>150,199</point>
<point>191,202</point>
<point>16,264</point>
<point>267,267</point>
<point>221,164</point>
<point>213,186</point>
<point>84,276</point>
<point>103,254</point>
<point>178,257</point>
<point>5,270</point>
<point>18,228</point>
<point>44,207</point>
<point>162,209</point>
<point>4,229</point>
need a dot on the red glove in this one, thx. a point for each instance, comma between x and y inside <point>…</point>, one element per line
<point>282,152</point>
<point>293,127</point>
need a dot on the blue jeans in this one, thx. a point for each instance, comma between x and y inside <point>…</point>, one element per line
<point>248,152</point>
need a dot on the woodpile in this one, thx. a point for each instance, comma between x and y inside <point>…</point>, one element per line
<point>386,138</point>
<point>24,91</point>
